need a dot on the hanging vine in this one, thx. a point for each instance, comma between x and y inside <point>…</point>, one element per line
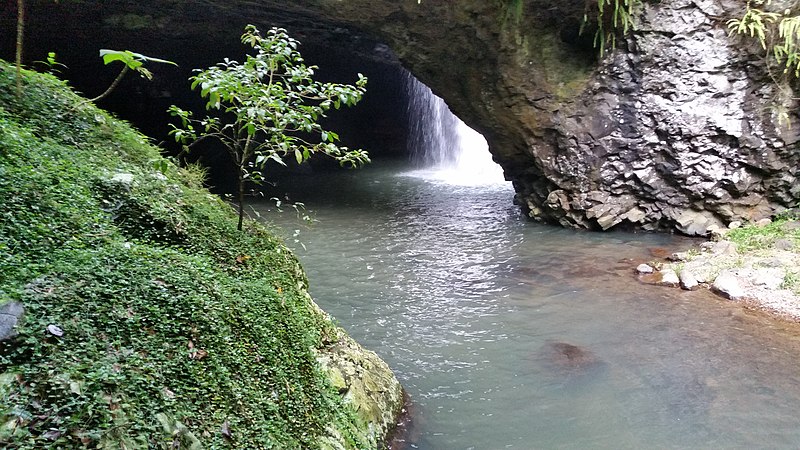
<point>612,16</point>
<point>778,33</point>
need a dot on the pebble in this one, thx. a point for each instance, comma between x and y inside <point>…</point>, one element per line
<point>723,248</point>
<point>644,268</point>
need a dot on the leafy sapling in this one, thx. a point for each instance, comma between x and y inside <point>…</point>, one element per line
<point>132,61</point>
<point>267,109</point>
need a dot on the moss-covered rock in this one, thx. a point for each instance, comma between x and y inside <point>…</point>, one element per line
<point>149,320</point>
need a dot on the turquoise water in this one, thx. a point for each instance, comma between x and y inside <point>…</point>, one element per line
<point>469,304</point>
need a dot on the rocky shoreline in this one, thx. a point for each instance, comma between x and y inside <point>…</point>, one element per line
<point>760,279</point>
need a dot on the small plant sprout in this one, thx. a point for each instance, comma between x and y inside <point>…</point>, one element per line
<point>267,109</point>
<point>132,61</point>
<point>51,63</point>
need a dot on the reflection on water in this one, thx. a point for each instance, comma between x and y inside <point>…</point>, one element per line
<point>475,309</point>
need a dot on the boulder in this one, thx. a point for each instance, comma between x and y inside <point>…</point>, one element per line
<point>728,285</point>
<point>10,315</point>
<point>688,280</point>
<point>668,277</point>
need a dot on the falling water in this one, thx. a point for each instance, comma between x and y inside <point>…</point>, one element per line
<point>442,146</point>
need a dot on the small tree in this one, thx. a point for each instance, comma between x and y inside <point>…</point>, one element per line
<point>267,108</point>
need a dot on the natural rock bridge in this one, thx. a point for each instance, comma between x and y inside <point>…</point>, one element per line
<point>673,130</point>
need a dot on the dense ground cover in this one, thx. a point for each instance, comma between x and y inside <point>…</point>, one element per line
<point>178,331</point>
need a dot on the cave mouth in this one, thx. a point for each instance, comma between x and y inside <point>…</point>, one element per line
<point>441,146</point>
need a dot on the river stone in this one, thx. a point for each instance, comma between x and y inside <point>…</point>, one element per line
<point>791,226</point>
<point>783,244</point>
<point>688,280</point>
<point>668,277</point>
<point>763,222</point>
<point>123,178</point>
<point>770,278</point>
<point>726,248</point>
<point>678,256</point>
<point>644,268</point>
<point>728,285</point>
<point>10,314</point>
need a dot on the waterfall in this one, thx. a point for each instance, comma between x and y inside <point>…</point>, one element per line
<point>443,147</point>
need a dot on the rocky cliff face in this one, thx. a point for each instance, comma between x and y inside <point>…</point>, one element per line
<point>673,130</point>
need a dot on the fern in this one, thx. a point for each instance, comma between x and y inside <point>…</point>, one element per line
<point>786,52</point>
<point>612,16</point>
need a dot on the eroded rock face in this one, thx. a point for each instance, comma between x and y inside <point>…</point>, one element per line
<point>673,130</point>
<point>688,138</point>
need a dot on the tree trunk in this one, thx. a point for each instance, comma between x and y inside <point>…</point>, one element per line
<point>20,34</point>
<point>241,198</point>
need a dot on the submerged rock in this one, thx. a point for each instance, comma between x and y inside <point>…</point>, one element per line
<point>568,360</point>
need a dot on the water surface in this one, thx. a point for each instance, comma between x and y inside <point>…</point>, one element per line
<point>468,303</point>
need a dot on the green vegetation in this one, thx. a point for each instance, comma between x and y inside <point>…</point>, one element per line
<point>268,108</point>
<point>755,238</point>
<point>178,331</point>
<point>778,33</point>
<point>761,241</point>
<point>612,16</point>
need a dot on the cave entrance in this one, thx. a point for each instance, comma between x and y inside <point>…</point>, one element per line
<point>441,146</point>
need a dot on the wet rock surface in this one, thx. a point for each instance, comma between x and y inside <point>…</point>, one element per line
<point>365,382</point>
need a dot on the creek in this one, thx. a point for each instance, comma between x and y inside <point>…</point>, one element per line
<point>513,334</point>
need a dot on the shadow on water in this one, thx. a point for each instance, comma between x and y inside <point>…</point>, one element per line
<point>511,334</point>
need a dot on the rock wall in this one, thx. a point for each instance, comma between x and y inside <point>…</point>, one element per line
<point>673,130</point>
<point>677,130</point>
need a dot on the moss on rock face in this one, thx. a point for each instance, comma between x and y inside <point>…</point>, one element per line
<point>149,320</point>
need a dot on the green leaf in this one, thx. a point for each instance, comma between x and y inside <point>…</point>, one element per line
<point>298,156</point>
<point>110,56</point>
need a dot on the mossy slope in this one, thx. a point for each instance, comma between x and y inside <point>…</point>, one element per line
<point>177,329</point>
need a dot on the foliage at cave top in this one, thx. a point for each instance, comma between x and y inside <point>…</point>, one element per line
<point>268,108</point>
<point>176,330</point>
